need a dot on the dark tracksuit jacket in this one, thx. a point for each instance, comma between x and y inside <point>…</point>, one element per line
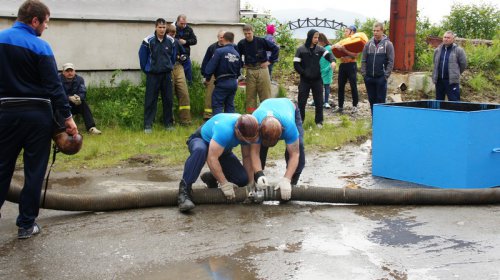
<point>188,35</point>
<point>225,65</point>
<point>28,81</point>
<point>157,61</point>
<point>306,63</point>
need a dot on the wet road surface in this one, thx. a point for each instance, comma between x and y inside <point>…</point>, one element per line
<point>270,241</point>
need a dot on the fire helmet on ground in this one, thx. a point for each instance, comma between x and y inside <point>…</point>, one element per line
<point>247,128</point>
<point>68,144</point>
<point>270,131</point>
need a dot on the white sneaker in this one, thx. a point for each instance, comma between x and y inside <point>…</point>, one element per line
<point>338,110</point>
<point>310,103</point>
<point>94,130</point>
<point>327,106</point>
<point>354,110</point>
<point>319,125</point>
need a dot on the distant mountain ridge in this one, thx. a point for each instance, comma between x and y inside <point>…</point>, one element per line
<point>345,17</point>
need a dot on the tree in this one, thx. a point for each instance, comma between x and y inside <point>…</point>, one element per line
<point>473,21</point>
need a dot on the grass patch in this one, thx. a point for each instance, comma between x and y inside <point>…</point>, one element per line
<point>127,147</point>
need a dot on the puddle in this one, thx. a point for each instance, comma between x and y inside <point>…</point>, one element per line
<point>213,268</point>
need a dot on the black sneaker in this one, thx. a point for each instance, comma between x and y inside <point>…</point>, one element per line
<point>23,233</point>
<point>209,179</point>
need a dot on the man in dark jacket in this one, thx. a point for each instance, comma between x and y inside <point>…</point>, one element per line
<point>29,90</point>
<point>187,38</point>
<point>225,66</point>
<point>253,52</point>
<point>156,56</point>
<point>74,87</point>
<point>306,63</point>
<point>377,62</point>
<point>449,63</point>
<point>209,81</point>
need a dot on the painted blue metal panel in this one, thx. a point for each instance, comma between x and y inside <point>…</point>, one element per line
<point>437,143</point>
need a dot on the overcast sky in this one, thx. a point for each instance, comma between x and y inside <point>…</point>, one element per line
<point>379,9</point>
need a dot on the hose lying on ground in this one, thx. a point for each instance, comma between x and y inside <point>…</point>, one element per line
<point>168,197</point>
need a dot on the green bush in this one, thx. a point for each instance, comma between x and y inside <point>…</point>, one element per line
<point>479,83</point>
<point>123,105</point>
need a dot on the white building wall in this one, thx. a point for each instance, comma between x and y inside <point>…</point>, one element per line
<point>105,37</point>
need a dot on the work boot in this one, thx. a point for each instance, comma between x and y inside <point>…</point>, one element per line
<point>209,179</point>
<point>185,199</point>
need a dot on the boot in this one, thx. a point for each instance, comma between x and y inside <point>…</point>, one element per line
<point>209,179</point>
<point>185,199</point>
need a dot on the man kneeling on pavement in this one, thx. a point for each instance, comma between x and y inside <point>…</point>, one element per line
<point>213,143</point>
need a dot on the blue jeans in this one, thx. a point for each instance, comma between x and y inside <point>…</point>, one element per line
<point>444,88</point>
<point>327,92</point>
<point>198,151</point>
<point>376,89</point>
<point>223,96</point>
<point>27,129</point>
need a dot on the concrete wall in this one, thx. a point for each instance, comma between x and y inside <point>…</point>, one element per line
<point>105,38</point>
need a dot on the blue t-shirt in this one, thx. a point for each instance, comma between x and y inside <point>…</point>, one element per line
<point>282,109</point>
<point>220,128</point>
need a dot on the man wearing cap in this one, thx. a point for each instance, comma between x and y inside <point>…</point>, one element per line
<point>74,87</point>
<point>213,143</point>
<point>348,69</point>
<point>279,119</point>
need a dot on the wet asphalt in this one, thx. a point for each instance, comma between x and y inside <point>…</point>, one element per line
<point>296,240</point>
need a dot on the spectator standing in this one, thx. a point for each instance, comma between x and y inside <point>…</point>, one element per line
<point>306,63</point>
<point>253,52</point>
<point>179,79</point>
<point>326,68</point>
<point>376,65</point>
<point>449,63</point>
<point>225,66</point>
<point>156,55</point>
<point>270,30</point>
<point>348,69</point>
<point>74,87</point>
<point>29,89</point>
<point>187,38</point>
<point>208,81</point>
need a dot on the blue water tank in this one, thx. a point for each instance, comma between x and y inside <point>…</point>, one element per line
<point>437,143</point>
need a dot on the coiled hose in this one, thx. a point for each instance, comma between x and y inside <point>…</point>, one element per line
<point>168,197</point>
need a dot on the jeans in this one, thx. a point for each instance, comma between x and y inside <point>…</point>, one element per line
<point>347,72</point>
<point>223,96</point>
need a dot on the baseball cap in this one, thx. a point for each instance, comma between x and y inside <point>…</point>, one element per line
<point>352,28</point>
<point>68,65</point>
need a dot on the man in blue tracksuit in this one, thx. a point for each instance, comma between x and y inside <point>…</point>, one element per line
<point>156,56</point>
<point>209,83</point>
<point>279,119</point>
<point>449,63</point>
<point>225,65</point>
<point>29,89</point>
<point>377,62</point>
<point>213,143</point>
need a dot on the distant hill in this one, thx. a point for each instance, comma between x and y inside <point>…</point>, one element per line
<point>332,14</point>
